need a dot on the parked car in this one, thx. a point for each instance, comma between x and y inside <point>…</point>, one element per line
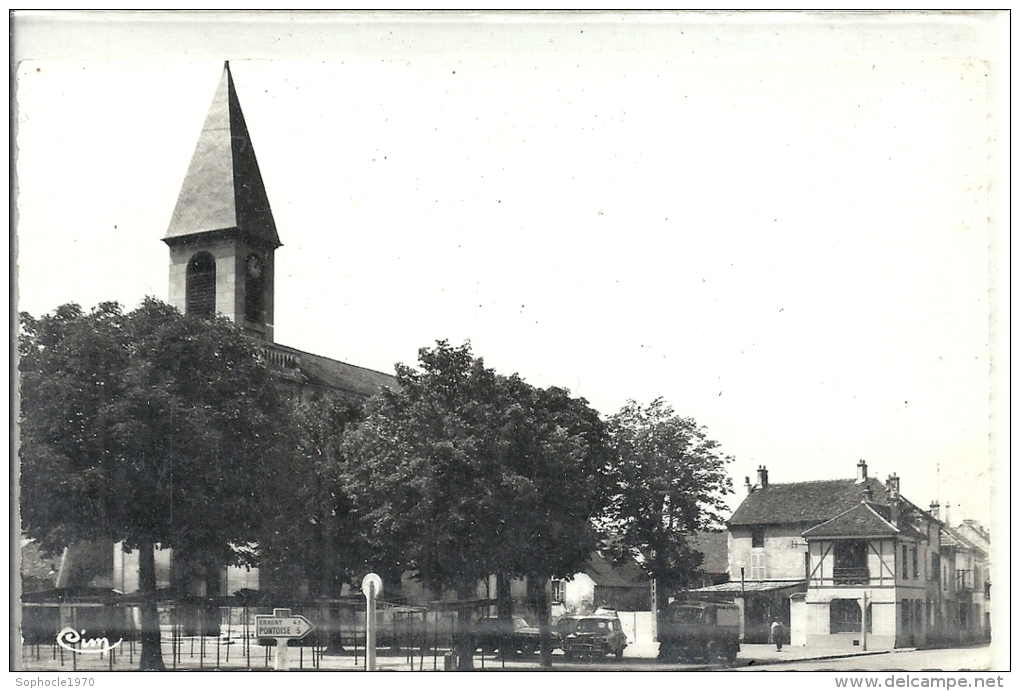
<point>520,635</point>
<point>691,630</point>
<point>593,635</point>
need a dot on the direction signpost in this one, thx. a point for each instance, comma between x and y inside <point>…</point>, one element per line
<point>284,627</point>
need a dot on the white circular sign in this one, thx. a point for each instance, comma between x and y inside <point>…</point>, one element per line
<point>372,578</point>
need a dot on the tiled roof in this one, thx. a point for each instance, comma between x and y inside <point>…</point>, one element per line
<point>866,520</point>
<point>223,189</point>
<point>950,537</point>
<point>626,575</point>
<point>713,546</point>
<point>803,502</point>
<point>976,533</point>
<point>327,373</point>
<point>863,520</point>
<point>334,374</point>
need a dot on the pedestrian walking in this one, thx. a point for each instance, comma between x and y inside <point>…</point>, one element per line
<point>778,634</point>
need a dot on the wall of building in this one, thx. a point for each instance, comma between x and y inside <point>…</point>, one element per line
<point>882,562</point>
<point>783,552</point>
<point>125,569</point>
<point>229,255</point>
<point>579,594</point>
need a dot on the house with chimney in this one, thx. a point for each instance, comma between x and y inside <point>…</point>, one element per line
<point>871,583</point>
<point>965,587</point>
<point>981,582</point>
<point>818,555</point>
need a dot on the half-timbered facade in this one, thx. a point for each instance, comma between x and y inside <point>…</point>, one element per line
<point>871,578</point>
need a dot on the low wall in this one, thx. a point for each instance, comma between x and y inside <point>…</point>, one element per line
<point>637,626</point>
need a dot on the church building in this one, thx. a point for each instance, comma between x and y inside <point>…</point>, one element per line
<point>222,241</point>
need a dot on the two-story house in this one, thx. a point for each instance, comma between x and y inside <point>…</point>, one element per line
<point>966,588</point>
<point>768,555</point>
<point>871,575</point>
<point>784,543</point>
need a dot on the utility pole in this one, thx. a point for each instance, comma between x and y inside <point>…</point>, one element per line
<point>655,610</point>
<point>864,620</point>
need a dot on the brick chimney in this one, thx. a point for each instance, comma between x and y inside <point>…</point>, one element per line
<point>933,509</point>
<point>862,471</point>
<point>867,495</point>
<point>763,477</point>
<point>892,484</point>
<point>747,484</point>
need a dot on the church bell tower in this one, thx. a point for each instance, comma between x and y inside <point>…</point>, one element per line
<point>222,236</point>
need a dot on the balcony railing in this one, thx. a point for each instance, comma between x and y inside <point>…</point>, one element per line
<point>280,360</point>
<point>850,575</point>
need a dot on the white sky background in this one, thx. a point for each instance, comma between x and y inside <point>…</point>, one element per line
<point>777,222</point>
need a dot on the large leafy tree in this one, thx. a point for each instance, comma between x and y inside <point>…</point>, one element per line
<point>147,428</point>
<point>461,473</point>
<point>671,482</point>
<point>554,483</point>
<point>311,536</point>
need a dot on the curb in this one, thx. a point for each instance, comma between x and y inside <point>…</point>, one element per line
<point>834,656</point>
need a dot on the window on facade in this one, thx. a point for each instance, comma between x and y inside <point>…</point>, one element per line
<point>913,559</point>
<point>918,614</point>
<point>906,571</point>
<point>905,613</point>
<point>559,591</point>
<point>758,537</point>
<point>254,288</point>
<point>850,562</point>
<point>758,571</point>
<point>845,616</point>
<point>200,286</point>
<point>935,568</point>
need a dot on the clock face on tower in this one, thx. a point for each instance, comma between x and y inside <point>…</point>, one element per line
<point>254,288</point>
<point>253,266</point>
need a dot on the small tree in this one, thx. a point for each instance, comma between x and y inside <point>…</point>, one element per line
<point>670,481</point>
<point>147,428</point>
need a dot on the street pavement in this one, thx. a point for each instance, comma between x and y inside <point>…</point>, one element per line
<point>637,657</point>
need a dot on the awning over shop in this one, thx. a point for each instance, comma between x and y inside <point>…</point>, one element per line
<point>750,586</point>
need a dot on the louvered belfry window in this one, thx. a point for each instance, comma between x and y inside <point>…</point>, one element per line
<point>201,286</point>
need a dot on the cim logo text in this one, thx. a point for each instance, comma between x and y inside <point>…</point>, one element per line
<point>72,640</point>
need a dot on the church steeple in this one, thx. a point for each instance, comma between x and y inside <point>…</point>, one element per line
<point>222,235</point>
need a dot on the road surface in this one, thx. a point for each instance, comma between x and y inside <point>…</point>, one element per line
<point>948,659</point>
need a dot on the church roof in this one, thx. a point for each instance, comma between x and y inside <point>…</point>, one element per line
<point>223,188</point>
<point>327,373</point>
<point>803,502</point>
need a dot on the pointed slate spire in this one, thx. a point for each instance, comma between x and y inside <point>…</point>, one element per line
<point>223,190</point>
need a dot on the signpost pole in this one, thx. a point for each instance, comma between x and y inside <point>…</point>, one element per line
<point>371,586</point>
<point>864,620</point>
<point>370,629</point>
<point>282,663</point>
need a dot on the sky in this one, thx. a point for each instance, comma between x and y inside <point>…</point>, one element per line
<point>783,224</point>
